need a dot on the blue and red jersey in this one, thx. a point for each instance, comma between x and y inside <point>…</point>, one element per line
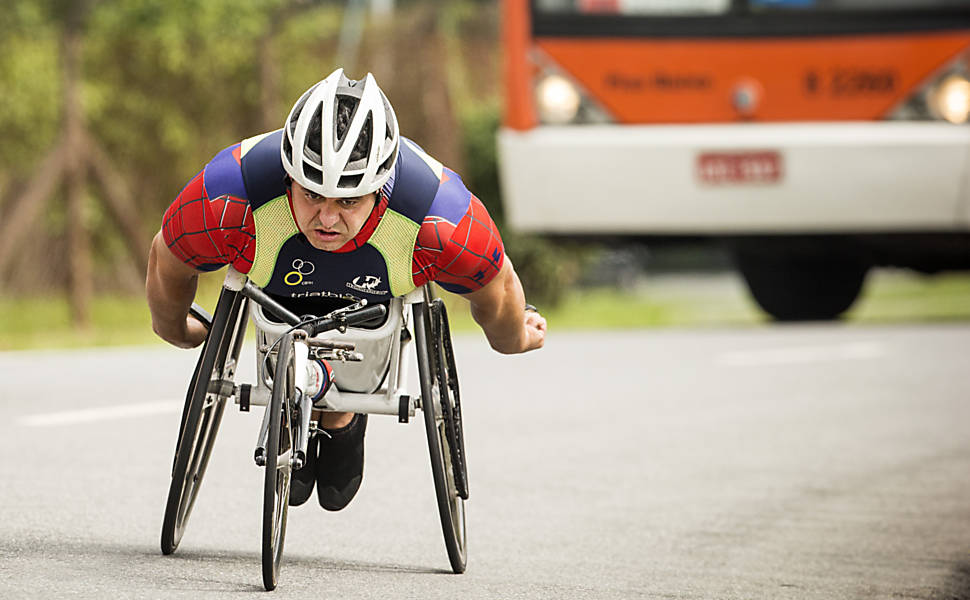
<point>210,224</point>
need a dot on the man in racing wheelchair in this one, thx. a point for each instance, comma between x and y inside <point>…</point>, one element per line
<point>334,208</point>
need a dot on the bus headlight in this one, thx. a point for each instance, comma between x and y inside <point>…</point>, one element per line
<point>557,99</point>
<point>951,100</point>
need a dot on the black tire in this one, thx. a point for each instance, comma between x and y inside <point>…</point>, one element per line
<point>447,376</point>
<point>800,285</point>
<point>202,414</point>
<point>278,469</point>
<point>451,506</point>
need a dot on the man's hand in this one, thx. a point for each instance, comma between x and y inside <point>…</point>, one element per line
<point>195,332</point>
<point>499,308</point>
<point>191,336</point>
<point>170,286</point>
<point>535,327</point>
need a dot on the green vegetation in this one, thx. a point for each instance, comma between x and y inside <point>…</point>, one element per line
<point>199,75</point>
<point>667,301</point>
<point>893,296</point>
<point>46,323</point>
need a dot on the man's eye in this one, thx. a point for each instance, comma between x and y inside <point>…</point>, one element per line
<point>348,202</point>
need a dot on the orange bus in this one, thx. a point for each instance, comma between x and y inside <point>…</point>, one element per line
<point>817,137</point>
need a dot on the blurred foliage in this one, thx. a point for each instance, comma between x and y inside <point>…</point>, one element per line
<point>30,84</point>
<point>548,269</point>
<point>891,296</point>
<point>479,124</point>
<point>189,84</point>
<point>166,84</point>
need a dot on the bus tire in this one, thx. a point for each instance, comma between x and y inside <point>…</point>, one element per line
<point>800,286</point>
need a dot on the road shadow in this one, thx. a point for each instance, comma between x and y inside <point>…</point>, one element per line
<point>957,584</point>
<point>296,560</point>
<point>139,568</point>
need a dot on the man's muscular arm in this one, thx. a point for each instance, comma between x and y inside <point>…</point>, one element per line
<point>499,308</point>
<point>170,287</point>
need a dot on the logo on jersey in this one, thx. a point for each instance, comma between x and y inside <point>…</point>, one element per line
<point>324,294</point>
<point>367,284</point>
<point>301,269</point>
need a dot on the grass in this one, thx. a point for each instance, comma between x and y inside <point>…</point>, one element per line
<point>45,321</point>
<point>722,300</point>
<point>893,296</point>
<point>660,301</point>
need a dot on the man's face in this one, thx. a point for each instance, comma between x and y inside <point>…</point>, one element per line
<point>329,223</point>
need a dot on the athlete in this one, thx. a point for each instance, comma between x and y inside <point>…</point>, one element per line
<point>333,208</point>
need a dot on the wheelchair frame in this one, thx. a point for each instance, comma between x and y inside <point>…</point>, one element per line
<point>286,425</point>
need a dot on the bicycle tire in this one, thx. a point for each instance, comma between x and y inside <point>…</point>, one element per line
<point>448,380</point>
<point>279,451</point>
<point>451,506</point>
<point>201,416</point>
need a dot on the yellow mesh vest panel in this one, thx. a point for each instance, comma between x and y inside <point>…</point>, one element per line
<point>394,238</point>
<point>274,225</point>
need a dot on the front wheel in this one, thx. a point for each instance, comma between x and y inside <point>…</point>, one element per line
<point>279,452</point>
<point>439,387</point>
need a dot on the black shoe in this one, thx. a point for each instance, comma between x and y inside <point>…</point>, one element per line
<point>302,481</point>
<point>340,467</point>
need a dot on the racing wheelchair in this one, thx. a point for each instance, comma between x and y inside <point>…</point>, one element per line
<point>371,377</point>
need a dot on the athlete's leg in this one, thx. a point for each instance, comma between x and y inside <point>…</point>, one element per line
<point>333,420</point>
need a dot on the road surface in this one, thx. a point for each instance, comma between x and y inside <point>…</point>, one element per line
<point>824,461</point>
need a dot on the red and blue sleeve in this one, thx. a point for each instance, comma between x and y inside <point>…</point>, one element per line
<point>210,223</point>
<point>458,246</point>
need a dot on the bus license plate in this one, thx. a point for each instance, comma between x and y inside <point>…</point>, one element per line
<point>739,167</point>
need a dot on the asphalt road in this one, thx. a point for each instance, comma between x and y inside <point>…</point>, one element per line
<point>774,462</point>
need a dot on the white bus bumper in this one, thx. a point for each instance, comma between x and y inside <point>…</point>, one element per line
<point>832,177</point>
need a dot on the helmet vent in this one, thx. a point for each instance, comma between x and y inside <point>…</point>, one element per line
<point>388,163</point>
<point>362,149</point>
<point>344,111</point>
<point>312,174</point>
<point>350,181</point>
<point>295,113</point>
<point>313,138</point>
<point>287,148</point>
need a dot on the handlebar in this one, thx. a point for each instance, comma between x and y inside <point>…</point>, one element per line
<point>201,315</point>
<point>341,321</point>
<point>344,320</point>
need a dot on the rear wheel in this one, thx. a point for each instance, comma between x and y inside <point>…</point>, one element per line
<point>279,452</point>
<point>211,385</point>
<point>439,404</point>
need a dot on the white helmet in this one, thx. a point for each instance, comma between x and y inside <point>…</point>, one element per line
<point>341,139</point>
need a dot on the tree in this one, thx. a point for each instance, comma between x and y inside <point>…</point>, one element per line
<point>73,157</point>
<point>110,106</point>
